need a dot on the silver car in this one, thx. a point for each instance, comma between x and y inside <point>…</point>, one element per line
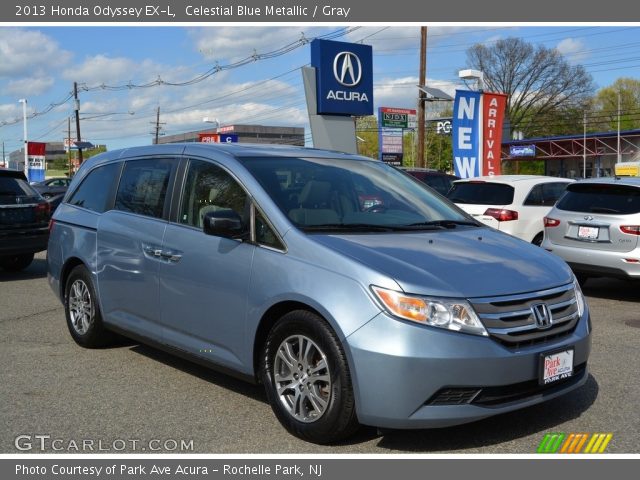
<point>595,227</point>
<point>353,293</point>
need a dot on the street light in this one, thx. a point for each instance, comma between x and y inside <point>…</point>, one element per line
<point>471,74</point>
<point>23,101</point>
<point>427,94</point>
<point>434,94</point>
<point>213,121</point>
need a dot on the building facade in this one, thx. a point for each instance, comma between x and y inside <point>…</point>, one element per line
<point>246,134</point>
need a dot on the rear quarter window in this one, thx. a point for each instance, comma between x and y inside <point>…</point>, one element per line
<point>545,194</point>
<point>96,190</point>
<point>601,198</point>
<point>481,193</point>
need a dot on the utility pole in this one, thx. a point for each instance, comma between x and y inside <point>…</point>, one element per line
<point>77,105</point>
<point>23,101</point>
<point>422,97</point>
<point>69,146</point>
<point>584,145</point>
<point>619,153</point>
<point>158,126</point>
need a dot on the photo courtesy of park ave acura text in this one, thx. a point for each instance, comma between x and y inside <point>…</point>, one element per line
<point>314,238</point>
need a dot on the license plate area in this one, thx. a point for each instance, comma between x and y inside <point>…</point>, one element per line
<point>555,366</point>
<point>588,233</point>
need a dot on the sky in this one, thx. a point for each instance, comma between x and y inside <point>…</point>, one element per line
<point>111,63</point>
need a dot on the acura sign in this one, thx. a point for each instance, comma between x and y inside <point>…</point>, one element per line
<point>344,77</point>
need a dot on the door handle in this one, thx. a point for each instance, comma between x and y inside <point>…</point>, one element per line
<point>171,256</point>
<point>152,251</point>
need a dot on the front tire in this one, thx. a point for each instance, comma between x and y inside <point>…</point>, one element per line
<point>84,319</point>
<point>16,263</point>
<point>307,380</point>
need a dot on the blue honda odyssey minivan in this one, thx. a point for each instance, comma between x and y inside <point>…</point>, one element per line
<point>352,292</point>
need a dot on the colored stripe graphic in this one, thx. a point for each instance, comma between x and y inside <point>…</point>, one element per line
<point>551,442</point>
<point>574,443</point>
<point>598,443</point>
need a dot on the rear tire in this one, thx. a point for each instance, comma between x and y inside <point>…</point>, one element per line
<point>306,377</point>
<point>15,263</point>
<point>538,239</point>
<point>81,309</point>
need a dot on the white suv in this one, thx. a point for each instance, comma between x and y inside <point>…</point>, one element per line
<point>514,204</point>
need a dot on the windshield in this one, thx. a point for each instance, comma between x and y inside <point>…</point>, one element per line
<point>336,194</point>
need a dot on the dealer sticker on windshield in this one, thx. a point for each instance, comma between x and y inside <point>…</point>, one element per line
<point>556,366</point>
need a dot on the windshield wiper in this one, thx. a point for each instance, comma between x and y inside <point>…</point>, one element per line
<point>604,210</point>
<point>447,223</point>
<point>359,227</point>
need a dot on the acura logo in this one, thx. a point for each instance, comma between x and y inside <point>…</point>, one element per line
<point>542,315</point>
<point>347,69</point>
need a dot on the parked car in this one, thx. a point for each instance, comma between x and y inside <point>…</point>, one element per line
<point>595,228</point>
<point>52,187</point>
<point>514,204</point>
<point>24,221</point>
<point>265,262</point>
<point>441,182</point>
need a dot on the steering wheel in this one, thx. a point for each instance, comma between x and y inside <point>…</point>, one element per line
<point>377,208</point>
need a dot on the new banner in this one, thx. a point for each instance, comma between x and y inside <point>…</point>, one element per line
<point>467,132</point>
<point>36,154</point>
<point>493,116</point>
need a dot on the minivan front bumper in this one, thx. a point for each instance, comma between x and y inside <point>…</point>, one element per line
<point>409,376</point>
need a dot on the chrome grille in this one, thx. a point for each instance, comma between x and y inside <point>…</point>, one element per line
<point>511,321</point>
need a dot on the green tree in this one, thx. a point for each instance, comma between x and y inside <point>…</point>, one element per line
<point>605,105</point>
<point>538,80</point>
<point>367,131</point>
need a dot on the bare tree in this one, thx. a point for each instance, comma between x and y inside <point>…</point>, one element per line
<point>538,80</point>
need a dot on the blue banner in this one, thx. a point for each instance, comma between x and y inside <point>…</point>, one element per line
<point>466,134</point>
<point>344,77</point>
<point>228,138</point>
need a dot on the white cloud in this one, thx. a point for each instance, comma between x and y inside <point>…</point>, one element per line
<point>10,110</point>
<point>228,43</point>
<point>403,92</point>
<point>573,50</point>
<point>29,53</point>
<point>27,87</point>
<point>101,69</point>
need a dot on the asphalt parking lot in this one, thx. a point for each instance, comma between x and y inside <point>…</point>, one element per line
<point>52,387</point>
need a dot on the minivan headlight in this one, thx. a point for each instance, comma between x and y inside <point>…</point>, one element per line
<point>580,301</point>
<point>448,313</point>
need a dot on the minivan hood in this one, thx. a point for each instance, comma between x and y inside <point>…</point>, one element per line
<point>468,262</point>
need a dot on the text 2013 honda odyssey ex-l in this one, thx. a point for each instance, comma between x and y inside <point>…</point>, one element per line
<point>352,292</point>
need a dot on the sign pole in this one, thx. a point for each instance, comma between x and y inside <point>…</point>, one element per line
<point>422,98</point>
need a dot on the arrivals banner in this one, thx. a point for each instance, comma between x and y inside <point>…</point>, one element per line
<point>467,132</point>
<point>477,133</point>
<point>36,154</point>
<point>493,106</point>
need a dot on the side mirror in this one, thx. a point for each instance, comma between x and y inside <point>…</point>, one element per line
<point>223,223</point>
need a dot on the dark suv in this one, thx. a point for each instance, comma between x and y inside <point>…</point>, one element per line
<point>24,221</point>
<point>441,182</point>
